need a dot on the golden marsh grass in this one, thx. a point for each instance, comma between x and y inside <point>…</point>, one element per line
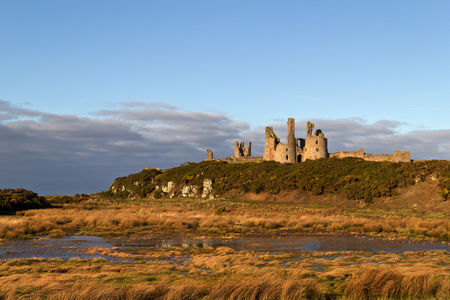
<point>200,217</point>
<point>224,273</point>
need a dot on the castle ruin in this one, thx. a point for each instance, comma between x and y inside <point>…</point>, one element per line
<point>241,151</point>
<point>296,150</point>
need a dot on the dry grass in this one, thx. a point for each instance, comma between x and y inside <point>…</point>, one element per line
<point>223,273</point>
<point>387,284</point>
<point>198,217</point>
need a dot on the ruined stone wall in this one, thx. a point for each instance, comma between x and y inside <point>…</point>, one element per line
<point>398,156</point>
<point>271,143</point>
<point>401,156</point>
<point>241,151</point>
<point>315,146</point>
<point>274,149</point>
<point>209,154</point>
<point>343,154</point>
<point>377,157</point>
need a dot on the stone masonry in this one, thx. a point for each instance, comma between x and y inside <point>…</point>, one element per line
<point>398,156</point>
<point>296,150</point>
<point>314,146</point>
<point>241,151</point>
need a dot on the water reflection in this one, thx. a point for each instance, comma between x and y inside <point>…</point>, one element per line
<point>78,246</point>
<point>319,243</point>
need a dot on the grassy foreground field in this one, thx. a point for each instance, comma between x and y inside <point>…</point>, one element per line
<point>223,273</point>
<point>415,212</point>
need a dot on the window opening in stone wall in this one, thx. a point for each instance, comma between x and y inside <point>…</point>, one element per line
<point>317,149</point>
<point>287,157</point>
<point>317,142</point>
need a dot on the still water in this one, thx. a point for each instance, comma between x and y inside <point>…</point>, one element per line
<point>77,246</point>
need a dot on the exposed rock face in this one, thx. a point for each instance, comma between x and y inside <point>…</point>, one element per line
<point>190,191</point>
<point>120,189</point>
<point>168,188</point>
<point>207,188</point>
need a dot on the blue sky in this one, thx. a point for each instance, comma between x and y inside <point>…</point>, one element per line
<point>115,86</point>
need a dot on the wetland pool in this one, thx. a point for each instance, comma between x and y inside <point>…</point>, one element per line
<point>78,246</point>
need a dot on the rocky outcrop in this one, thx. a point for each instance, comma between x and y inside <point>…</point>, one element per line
<point>169,189</point>
<point>120,189</point>
<point>189,191</point>
<point>186,191</point>
<point>207,189</point>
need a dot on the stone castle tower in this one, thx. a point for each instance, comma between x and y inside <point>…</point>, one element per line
<point>315,145</point>
<point>291,142</point>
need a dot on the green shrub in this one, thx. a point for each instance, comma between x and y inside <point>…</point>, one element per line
<point>20,199</point>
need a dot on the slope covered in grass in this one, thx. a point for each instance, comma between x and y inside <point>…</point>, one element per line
<point>354,178</point>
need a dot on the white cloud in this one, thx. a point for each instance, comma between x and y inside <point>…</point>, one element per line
<point>52,153</point>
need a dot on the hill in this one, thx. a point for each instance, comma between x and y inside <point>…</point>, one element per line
<point>351,178</point>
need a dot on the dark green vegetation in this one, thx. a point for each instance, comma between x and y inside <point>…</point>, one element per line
<point>12,200</point>
<point>352,177</point>
<point>77,198</point>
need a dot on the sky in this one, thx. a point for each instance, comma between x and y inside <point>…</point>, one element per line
<point>91,90</point>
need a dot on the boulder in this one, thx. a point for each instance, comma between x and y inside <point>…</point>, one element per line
<point>189,191</point>
<point>168,188</point>
<point>207,188</point>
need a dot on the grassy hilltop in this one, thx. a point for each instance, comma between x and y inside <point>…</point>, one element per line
<point>351,178</point>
